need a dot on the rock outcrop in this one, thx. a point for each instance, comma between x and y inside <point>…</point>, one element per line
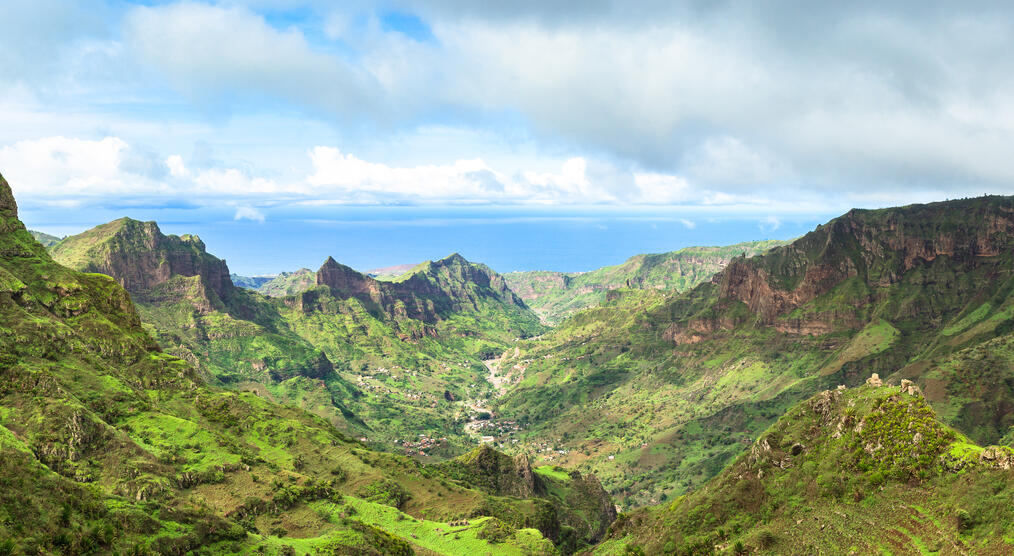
<point>140,257</point>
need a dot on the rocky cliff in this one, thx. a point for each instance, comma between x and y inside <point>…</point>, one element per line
<point>140,257</point>
<point>877,247</point>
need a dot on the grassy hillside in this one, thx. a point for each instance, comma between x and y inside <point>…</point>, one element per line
<point>111,445</point>
<point>557,295</point>
<point>862,471</point>
<point>656,393</point>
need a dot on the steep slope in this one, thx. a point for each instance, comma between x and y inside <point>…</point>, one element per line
<point>110,445</point>
<point>555,296</point>
<point>656,394</point>
<point>187,300</point>
<point>44,239</point>
<point>864,471</point>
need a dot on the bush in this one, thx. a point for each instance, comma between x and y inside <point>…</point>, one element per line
<point>495,531</point>
<point>965,521</point>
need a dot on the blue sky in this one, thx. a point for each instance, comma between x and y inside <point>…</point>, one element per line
<point>442,125</point>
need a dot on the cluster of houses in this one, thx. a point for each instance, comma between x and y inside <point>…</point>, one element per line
<point>422,446</point>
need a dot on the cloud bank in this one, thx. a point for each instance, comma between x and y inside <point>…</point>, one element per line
<point>632,103</point>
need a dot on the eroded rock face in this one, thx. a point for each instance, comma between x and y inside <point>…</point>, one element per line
<point>877,247</point>
<point>140,257</point>
<point>8,206</point>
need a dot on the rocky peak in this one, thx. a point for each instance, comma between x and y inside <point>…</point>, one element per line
<point>342,278</point>
<point>140,257</point>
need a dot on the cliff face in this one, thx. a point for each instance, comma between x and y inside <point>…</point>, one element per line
<point>8,207</point>
<point>140,257</point>
<point>877,247</point>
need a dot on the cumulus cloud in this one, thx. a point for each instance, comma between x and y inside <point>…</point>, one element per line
<point>646,102</point>
<point>61,168</point>
<point>249,213</point>
<point>211,50</point>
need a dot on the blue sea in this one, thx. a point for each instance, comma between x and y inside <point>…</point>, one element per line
<point>505,238</point>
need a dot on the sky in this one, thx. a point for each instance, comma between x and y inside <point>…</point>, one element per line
<point>529,134</point>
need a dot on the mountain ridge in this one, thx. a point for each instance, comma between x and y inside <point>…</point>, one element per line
<point>557,295</point>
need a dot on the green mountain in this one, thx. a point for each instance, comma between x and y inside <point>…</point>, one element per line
<point>250,282</point>
<point>110,445</point>
<point>45,239</point>
<point>868,470</point>
<point>394,362</point>
<point>656,393</point>
<point>289,283</point>
<point>557,295</point>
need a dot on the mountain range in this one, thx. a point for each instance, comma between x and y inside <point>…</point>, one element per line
<point>849,391</point>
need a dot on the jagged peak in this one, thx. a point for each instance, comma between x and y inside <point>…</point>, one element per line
<point>453,258</point>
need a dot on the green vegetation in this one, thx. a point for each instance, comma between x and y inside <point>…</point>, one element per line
<point>866,470</point>
<point>110,445</point>
<point>557,295</point>
<point>656,393</point>
<point>373,358</point>
<point>44,239</point>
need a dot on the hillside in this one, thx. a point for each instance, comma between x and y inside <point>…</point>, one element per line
<point>393,362</point>
<point>250,282</point>
<point>655,394</point>
<point>555,296</point>
<point>864,471</point>
<point>44,239</point>
<point>110,445</point>
<point>289,283</point>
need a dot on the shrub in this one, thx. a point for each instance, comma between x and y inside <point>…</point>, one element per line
<point>965,521</point>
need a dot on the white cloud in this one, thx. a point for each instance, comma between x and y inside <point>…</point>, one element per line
<point>688,224</point>
<point>61,168</point>
<point>65,167</point>
<point>249,213</point>
<point>769,224</point>
<point>208,51</point>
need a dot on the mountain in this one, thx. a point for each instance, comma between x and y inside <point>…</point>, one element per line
<point>250,282</point>
<point>289,283</point>
<point>110,445</point>
<point>867,470</point>
<point>557,295</point>
<point>656,394</point>
<point>381,360</point>
<point>44,239</point>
